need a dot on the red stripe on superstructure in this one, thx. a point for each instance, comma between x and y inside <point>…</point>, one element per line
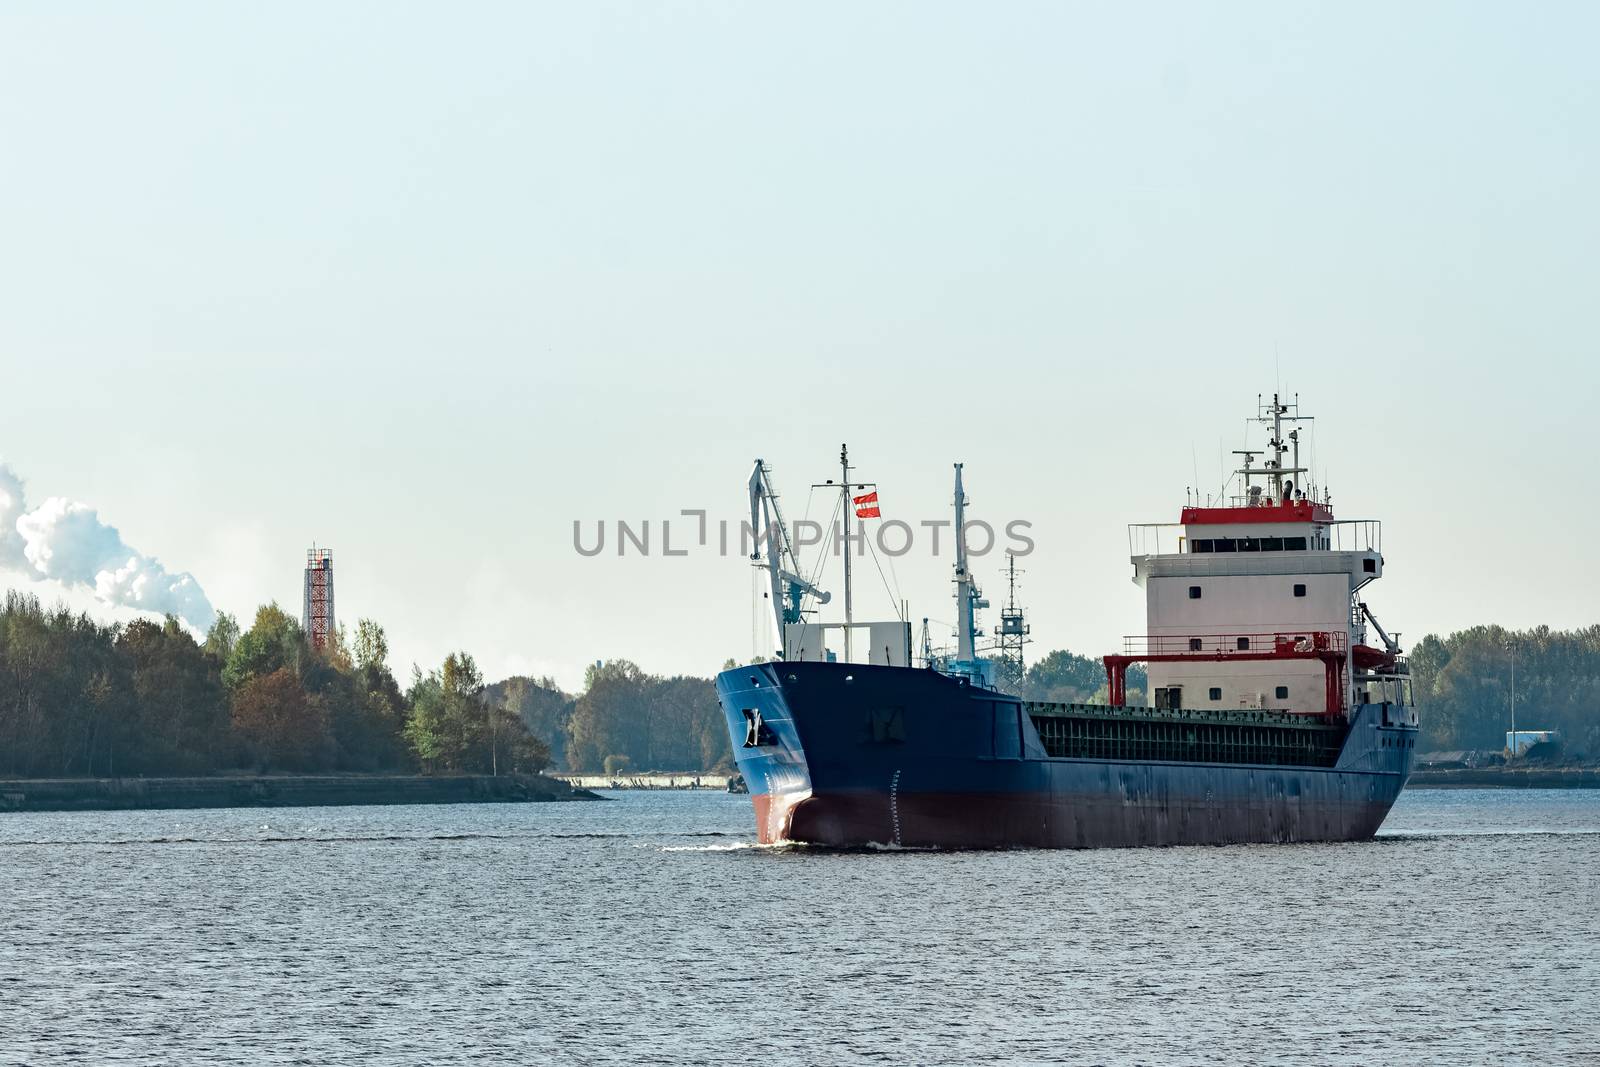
<point>1294,511</point>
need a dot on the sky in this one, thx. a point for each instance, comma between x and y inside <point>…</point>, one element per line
<point>426,284</point>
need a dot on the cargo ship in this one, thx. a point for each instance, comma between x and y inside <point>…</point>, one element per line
<point>1277,709</point>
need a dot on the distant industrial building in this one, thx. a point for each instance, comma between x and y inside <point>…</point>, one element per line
<point>317,618</point>
<point>1532,742</point>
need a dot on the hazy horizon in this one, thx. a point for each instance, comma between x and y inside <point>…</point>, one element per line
<point>425,288</point>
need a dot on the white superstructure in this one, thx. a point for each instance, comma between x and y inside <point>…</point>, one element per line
<point>1255,601</point>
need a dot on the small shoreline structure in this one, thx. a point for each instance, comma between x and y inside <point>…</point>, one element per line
<point>280,791</point>
<point>720,783</point>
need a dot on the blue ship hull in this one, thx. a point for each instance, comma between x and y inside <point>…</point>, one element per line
<point>852,755</point>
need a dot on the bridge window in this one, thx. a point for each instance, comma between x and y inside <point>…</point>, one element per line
<point>1194,592</point>
<point>1282,692</point>
<point>1299,589</point>
<point>1216,693</point>
<point>1369,565</point>
<point>1194,644</point>
<point>1248,544</point>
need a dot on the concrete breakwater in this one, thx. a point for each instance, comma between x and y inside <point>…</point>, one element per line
<point>1505,778</point>
<point>647,781</point>
<point>268,791</point>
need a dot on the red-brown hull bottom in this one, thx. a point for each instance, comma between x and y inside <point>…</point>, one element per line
<point>1034,820</point>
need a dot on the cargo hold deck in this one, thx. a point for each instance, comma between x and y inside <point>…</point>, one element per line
<point>1186,735</point>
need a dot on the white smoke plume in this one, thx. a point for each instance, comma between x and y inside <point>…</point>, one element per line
<point>67,542</point>
<point>12,506</point>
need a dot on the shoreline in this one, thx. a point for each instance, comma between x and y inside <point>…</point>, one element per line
<point>279,791</point>
<point>284,791</point>
<point>1506,778</point>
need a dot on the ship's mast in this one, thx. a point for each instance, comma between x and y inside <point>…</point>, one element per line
<point>1013,634</point>
<point>966,594</point>
<point>1277,449</point>
<point>846,513</point>
<point>1294,439</point>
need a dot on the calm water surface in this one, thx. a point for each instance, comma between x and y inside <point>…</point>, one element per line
<point>651,930</point>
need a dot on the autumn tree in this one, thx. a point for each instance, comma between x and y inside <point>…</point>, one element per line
<point>448,722</point>
<point>453,728</point>
<point>222,636</point>
<point>273,642</point>
<point>1067,678</point>
<point>606,718</point>
<point>371,648</point>
<point>657,723</point>
<point>282,727</point>
<point>541,705</point>
<point>183,709</point>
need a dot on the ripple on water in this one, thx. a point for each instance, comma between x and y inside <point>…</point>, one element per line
<point>656,930</point>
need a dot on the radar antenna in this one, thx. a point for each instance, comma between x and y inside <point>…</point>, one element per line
<point>1283,488</point>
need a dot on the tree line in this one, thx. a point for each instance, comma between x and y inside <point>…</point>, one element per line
<point>82,698</point>
<point>625,720</point>
<point>1064,677</point>
<point>78,697</point>
<point>1463,686</point>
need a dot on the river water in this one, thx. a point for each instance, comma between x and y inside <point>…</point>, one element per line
<point>652,930</point>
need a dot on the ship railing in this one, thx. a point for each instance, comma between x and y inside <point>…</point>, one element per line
<point>1155,538</point>
<point>1221,646</point>
<point>1167,538</point>
<point>1355,535</point>
<point>1385,689</point>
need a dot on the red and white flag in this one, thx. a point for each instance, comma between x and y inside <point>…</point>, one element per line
<point>867,505</point>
